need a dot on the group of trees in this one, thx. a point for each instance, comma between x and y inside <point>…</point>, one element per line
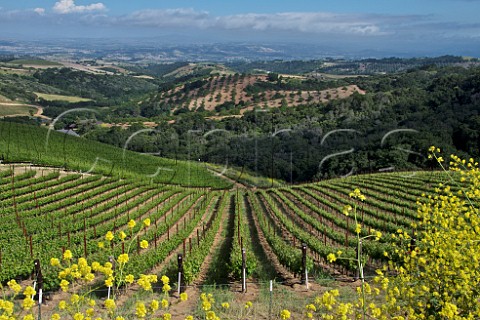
<point>350,67</point>
<point>389,127</point>
<point>102,88</point>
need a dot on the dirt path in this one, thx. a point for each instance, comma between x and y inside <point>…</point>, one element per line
<point>180,310</point>
<point>282,272</point>
<point>38,114</point>
<point>235,183</point>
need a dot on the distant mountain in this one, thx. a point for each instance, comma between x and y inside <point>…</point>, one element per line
<point>152,50</point>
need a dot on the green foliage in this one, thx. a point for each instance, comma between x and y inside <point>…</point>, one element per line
<point>276,66</point>
<point>241,240</point>
<point>28,143</point>
<point>194,260</point>
<point>102,88</point>
<point>440,104</point>
<point>14,86</point>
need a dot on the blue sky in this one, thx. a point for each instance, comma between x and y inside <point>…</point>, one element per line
<point>442,26</point>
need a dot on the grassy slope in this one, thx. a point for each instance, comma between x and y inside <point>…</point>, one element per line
<point>6,110</point>
<point>58,97</point>
<point>37,62</point>
<point>30,144</point>
<point>4,99</point>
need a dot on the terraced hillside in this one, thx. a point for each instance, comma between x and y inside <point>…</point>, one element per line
<point>225,92</point>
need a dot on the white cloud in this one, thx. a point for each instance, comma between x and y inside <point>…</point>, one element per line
<point>182,17</point>
<point>69,6</point>
<point>40,11</point>
<point>314,26</point>
<point>303,22</point>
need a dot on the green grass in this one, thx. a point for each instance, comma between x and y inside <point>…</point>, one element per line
<point>245,177</point>
<point>58,97</point>
<point>15,110</point>
<point>37,145</point>
<point>37,62</point>
<point>14,71</point>
<point>337,76</point>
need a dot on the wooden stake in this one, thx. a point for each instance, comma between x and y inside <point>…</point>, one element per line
<point>85,244</point>
<point>31,247</point>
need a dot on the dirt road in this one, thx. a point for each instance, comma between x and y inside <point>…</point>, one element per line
<point>38,114</point>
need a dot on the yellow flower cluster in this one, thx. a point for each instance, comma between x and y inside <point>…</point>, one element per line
<point>183,296</point>
<point>123,258</point>
<point>166,287</point>
<point>207,301</point>
<point>80,271</point>
<point>109,236</point>
<point>331,257</point>
<point>284,314</point>
<point>440,273</point>
<point>310,310</point>
<point>146,222</point>
<point>129,278</point>
<point>16,288</point>
<point>7,307</point>
<point>144,244</point>
<point>110,305</point>
<point>145,281</point>
<point>330,308</point>
<point>437,264</point>
<point>357,194</point>
<point>67,255</point>
<point>122,235</point>
<point>78,307</point>
<point>140,310</point>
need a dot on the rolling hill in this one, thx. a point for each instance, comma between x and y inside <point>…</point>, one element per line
<point>42,146</point>
<point>243,92</point>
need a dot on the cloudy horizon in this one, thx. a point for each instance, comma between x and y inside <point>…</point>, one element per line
<point>443,26</point>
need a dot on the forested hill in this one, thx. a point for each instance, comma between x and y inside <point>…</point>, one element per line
<point>391,126</point>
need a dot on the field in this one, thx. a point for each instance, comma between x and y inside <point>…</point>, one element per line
<point>57,97</point>
<point>72,199</point>
<point>18,110</point>
<point>68,210</point>
<point>34,62</point>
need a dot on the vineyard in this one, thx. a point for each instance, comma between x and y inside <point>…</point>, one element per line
<point>42,146</point>
<point>46,211</point>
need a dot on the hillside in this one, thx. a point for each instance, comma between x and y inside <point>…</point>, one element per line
<point>78,210</point>
<point>244,92</point>
<point>41,146</point>
<point>391,125</point>
<point>428,105</point>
